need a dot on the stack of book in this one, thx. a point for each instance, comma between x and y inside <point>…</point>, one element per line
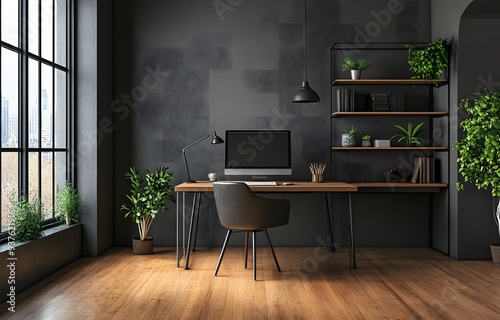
<point>345,100</point>
<point>397,101</point>
<point>423,170</point>
<point>380,101</point>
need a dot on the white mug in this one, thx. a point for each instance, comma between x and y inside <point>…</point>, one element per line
<point>212,176</point>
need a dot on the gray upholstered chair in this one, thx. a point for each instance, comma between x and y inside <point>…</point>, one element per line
<point>240,210</point>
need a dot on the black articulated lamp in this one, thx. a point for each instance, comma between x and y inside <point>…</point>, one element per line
<point>215,140</point>
<point>305,94</point>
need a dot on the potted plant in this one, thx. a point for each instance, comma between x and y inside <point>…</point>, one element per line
<point>479,149</point>
<point>355,66</point>
<point>365,141</point>
<point>411,134</point>
<point>28,218</point>
<point>68,206</point>
<point>428,62</point>
<point>349,136</point>
<point>147,197</point>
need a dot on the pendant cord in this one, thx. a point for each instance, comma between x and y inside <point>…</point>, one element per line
<point>305,19</point>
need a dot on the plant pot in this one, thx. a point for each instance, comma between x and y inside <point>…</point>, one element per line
<point>366,143</point>
<point>348,140</point>
<point>68,221</point>
<point>495,254</point>
<point>355,74</point>
<point>142,246</point>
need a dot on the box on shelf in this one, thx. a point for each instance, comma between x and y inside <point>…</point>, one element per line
<point>382,143</point>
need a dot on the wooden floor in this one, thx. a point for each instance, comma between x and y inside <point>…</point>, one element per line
<point>389,283</point>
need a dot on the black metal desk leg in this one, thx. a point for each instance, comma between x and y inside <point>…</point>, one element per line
<point>329,236</point>
<point>353,252</point>
<point>197,223</point>
<point>193,211</point>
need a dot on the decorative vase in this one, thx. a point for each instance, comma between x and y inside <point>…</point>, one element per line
<point>142,246</point>
<point>366,143</point>
<point>355,74</point>
<point>495,254</point>
<point>348,140</point>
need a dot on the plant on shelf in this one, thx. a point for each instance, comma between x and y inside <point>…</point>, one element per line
<point>355,66</point>
<point>428,62</point>
<point>479,149</point>
<point>68,206</point>
<point>146,200</point>
<point>410,134</point>
<point>27,218</point>
<point>349,136</point>
<point>365,141</point>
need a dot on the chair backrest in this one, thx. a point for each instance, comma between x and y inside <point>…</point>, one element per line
<point>240,209</point>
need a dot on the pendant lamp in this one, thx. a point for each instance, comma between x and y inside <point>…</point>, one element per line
<point>305,94</point>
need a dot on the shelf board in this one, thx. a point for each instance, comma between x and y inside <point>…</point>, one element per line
<point>391,113</point>
<point>414,82</point>
<point>388,148</point>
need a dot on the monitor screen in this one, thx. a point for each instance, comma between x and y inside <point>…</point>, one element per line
<point>258,152</point>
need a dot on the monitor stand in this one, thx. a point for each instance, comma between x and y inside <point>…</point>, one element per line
<point>259,178</point>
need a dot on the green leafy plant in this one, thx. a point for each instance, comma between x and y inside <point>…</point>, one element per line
<point>350,64</point>
<point>148,197</point>
<point>479,148</point>
<point>27,218</point>
<point>366,137</point>
<point>350,130</point>
<point>428,62</point>
<point>68,206</point>
<point>410,134</point>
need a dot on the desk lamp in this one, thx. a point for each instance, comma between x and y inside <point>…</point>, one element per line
<point>215,140</point>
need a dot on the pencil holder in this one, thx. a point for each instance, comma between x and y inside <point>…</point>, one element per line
<point>317,178</point>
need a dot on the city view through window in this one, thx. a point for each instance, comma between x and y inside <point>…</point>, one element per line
<point>34,101</point>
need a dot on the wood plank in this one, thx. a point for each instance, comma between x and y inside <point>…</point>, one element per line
<point>389,283</point>
<point>296,186</point>
<point>413,82</point>
<point>387,148</point>
<point>389,113</point>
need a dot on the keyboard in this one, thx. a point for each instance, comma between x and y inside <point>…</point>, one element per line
<point>260,183</point>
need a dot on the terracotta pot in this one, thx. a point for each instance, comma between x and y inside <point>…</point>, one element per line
<point>495,254</point>
<point>142,246</point>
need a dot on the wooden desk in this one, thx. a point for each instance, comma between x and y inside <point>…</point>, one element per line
<point>296,186</point>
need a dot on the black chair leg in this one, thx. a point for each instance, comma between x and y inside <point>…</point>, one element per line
<point>246,249</point>
<point>254,256</point>
<point>223,250</point>
<point>272,249</point>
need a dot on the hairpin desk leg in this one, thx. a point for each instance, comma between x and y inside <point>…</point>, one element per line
<point>329,236</point>
<point>353,252</point>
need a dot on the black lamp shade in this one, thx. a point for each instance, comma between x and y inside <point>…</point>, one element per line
<point>216,139</point>
<point>305,94</point>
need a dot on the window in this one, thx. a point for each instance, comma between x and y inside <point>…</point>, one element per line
<point>36,106</point>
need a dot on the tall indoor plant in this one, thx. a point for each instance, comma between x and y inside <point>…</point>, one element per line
<point>147,197</point>
<point>479,148</point>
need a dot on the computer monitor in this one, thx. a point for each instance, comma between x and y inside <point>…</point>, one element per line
<point>258,152</point>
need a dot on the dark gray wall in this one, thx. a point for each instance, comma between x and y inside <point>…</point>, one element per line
<point>238,69</point>
<point>94,121</point>
<point>467,24</point>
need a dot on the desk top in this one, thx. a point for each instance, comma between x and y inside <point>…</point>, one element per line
<point>297,186</point>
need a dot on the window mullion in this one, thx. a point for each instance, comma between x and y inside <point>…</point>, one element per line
<point>23,105</point>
